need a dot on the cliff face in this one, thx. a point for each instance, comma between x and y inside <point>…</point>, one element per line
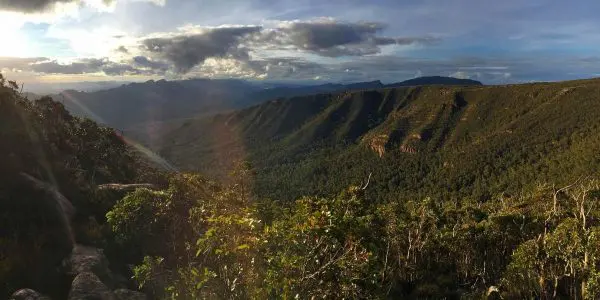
<point>377,144</point>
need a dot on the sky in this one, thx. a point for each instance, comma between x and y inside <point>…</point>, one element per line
<point>496,42</point>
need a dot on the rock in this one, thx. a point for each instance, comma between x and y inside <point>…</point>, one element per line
<point>28,294</point>
<point>408,149</point>
<point>87,286</point>
<point>124,294</point>
<point>377,144</point>
<point>120,281</point>
<point>89,259</point>
<point>126,187</point>
<point>62,206</point>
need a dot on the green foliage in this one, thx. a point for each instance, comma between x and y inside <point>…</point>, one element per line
<point>563,259</point>
<point>321,248</point>
<point>159,223</point>
<point>149,273</point>
<point>135,216</point>
<point>349,246</point>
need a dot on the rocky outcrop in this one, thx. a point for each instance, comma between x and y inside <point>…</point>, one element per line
<point>87,286</point>
<point>62,207</point>
<point>88,266</point>
<point>408,149</point>
<point>377,144</point>
<point>88,259</point>
<point>28,294</point>
<point>411,143</point>
<point>123,294</point>
<point>93,277</point>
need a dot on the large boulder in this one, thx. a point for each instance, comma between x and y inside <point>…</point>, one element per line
<point>89,259</point>
<point>28,294</point>
<point>124,294</point>
<point>87,286</point>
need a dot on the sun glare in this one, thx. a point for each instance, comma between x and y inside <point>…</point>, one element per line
<point>10,32</point>
<point>16,48</point>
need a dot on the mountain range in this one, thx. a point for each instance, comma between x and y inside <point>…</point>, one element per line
<point>158,101</point>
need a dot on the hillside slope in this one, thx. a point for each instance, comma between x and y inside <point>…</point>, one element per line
<point>414,140</point>
<point>161,100</point>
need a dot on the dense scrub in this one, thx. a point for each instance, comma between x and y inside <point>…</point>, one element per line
<point>207,241</point>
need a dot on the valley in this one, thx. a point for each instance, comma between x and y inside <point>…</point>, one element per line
<point>450,190</point>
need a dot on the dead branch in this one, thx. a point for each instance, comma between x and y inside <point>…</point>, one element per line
<point>126,187</point>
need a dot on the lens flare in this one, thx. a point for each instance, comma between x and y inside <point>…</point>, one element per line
<point>135,145</point>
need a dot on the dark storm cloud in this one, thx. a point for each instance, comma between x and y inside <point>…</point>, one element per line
<point>144,62</point>
<point>33,6</point>
<point>323,35</point>
<point>188,51</point>
<point>332,39</point>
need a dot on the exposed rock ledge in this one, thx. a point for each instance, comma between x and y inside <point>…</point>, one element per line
<point>88,266</point>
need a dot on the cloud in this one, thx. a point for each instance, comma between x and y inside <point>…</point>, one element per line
<point>30,6</point>
<point>327,37</point>
<point>86,66</point>
<point>37,6</point>
<point>461,75</point>
<point>144,62</point>
<point>192,46</point>
<point>291,68</point>
<point>230,68</point>
<point>43,6</point>
<point>19,64</point>
<point>89,65</point>
<point>114,69</point>
<point>122,49</point>
<point>155,2</point>
<point>186,51</point>
<point>328,34</point>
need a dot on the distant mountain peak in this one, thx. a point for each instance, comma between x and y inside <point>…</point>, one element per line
<point>435,80</point>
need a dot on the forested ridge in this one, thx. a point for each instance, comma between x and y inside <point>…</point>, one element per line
<point>450,142</point>
<point>416,192</point>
